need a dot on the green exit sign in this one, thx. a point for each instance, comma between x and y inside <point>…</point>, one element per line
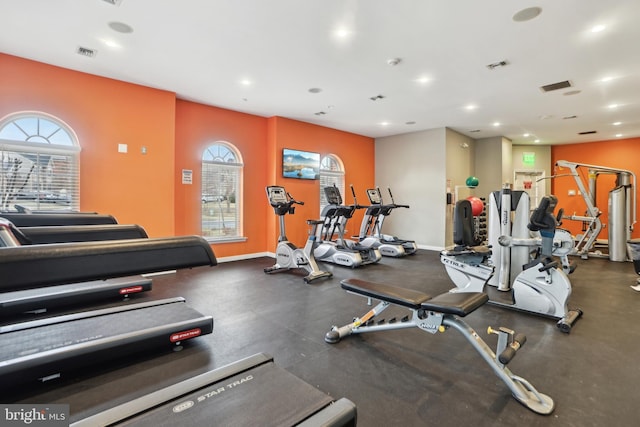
<point>529,158</point>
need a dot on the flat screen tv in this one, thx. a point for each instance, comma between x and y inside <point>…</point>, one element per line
<point>300,164</point>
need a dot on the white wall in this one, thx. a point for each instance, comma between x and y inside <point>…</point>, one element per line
<point>414,166</point>
<point>417,166</point>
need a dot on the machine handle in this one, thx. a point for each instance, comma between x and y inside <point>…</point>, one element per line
<point>548,266</point>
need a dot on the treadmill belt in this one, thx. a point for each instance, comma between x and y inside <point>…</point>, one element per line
<point>265,396</point>
<point>249,392</point>
<point>42,348</point>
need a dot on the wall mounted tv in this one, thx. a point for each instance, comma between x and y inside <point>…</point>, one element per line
<point>300,164</point>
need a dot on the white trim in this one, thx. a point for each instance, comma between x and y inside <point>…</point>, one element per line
<point>245,256</point>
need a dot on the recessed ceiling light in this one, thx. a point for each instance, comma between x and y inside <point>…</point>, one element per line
<point>617,123</point>
<point>384,123</point>
<point>120,27</point>
<point>606,79</point>
<point>526,135</point>
<point>315,90</point>
<point>470,107</point>
<point>618,135</point>
<point>612,106</point>
<point>111,43</point>
<point>246,82</point>
<point>496,124</point>
<point>597,28</point>
<point>536,141</point>
<point>342,33</point>
<point>527,14</point>
<point>423,80</point>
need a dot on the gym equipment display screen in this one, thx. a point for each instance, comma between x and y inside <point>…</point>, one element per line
<point>300,164</point>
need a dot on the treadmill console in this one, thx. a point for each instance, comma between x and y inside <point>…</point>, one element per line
<point>374,196</point>
<point>333,195</point>
<point>277,195</point>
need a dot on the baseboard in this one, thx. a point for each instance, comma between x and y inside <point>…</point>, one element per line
<point>245,256</point>
<point>430,248</point>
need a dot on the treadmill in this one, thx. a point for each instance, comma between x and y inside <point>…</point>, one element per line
<point>40,277</point>
<point>249,392</point>
<point>47,348</point>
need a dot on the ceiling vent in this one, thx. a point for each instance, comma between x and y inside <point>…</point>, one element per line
<point>556,86</point>
<point>589,132</point>
<point>85,51</point>
<point>320,113</point>
<point>113,2</point>
<point>497,65</point>
<point>377,97</point>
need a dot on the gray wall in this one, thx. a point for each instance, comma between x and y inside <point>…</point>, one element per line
<point>414,166</point>
<point>418,165</point>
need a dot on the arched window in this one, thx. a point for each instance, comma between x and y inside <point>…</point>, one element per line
<point>221,195</point>
<point>331,172</point>
<point>39,163</point>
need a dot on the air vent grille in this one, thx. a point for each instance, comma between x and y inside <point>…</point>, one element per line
<point>556,86</point>
<point>589,132</point>
<point>85,51</point>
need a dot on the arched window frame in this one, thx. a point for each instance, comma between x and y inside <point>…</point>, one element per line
<point>331,172</point>
<point>221,192</point>
<point>39,163</point>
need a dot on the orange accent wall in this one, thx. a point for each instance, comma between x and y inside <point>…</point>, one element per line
<point>619,154</point>
<point>197,127</point>
<point>356,152</point>
<point>147,189</point>
<point>133,187</point>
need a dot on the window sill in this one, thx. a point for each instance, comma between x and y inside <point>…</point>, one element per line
<point>235,239</point>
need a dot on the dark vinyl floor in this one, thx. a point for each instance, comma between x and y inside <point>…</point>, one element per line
<point>396,378</point>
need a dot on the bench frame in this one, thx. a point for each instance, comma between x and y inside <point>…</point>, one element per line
<point>437,315</point>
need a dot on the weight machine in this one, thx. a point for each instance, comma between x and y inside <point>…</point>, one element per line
<point>622,210</point>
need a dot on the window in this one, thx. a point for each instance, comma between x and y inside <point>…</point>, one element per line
<point>221,194</point>
<point>39,161</point>
<point>331,172</point>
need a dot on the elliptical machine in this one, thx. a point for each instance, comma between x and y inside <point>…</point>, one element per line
<point>539,285</point>
<point>409,246</point>
<point>341,251</point>
<point>371,228</point>
<point>288,256</point>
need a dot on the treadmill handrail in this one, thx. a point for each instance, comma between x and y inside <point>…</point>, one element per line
<point>13,327</point>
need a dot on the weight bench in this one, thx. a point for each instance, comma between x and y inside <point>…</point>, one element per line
<point>437,314</point>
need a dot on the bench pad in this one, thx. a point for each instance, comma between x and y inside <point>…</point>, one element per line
<point>393,294</point>
<point>457,303</point>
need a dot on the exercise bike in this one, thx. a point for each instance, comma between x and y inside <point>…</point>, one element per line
<point>341,251</point>
<point>540,285</point>
<point>288,256</point>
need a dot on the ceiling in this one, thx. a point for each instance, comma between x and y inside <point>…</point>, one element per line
<point>371,67</point>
